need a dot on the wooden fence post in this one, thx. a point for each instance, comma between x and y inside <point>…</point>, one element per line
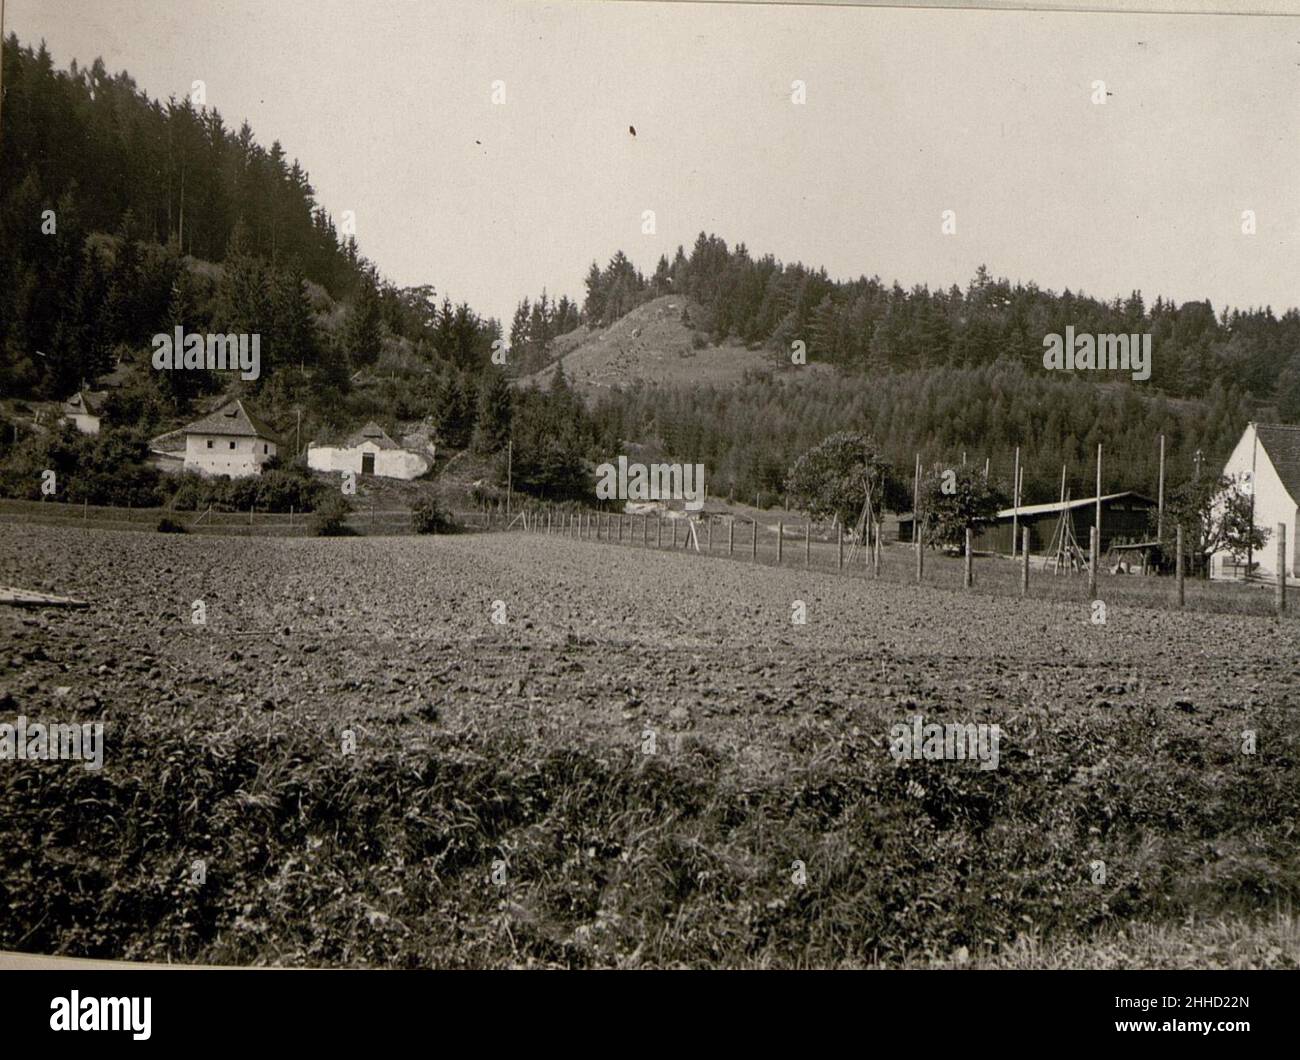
<point>1179,573</point>
<point>1093,545</point>
<point>807,544</point>
<point>753,552</point>
<point>839,546</point>
<point>1024,561</point>
<point>920,550</point>
<point>731,536</point>
<point>875,554</point>
<point>1281,568</point>
<point>659,530</point>
<point>780,539</point>
<point>968,573</point>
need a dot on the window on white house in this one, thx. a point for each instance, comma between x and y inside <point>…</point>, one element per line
<point>209,443</point>
<point>265,449</point>
<point>232,445</point>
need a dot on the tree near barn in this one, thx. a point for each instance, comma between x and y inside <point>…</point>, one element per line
<point>1217,515</point>
<point>453,411</point>
<point>363,332</point>
<point>492,429</point>
<point>956,499</point>
<point>841,476</point>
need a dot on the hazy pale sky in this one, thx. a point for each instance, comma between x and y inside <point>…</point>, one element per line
<point>909,112</point>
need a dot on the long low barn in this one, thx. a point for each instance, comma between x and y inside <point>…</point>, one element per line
<point>1124,518</point>
<point>370,452</point>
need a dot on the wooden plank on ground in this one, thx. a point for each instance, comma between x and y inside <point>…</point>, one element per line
<point>31,598</point>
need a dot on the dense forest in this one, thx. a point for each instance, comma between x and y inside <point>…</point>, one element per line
<point>748,437</point>
<point>122,216</point>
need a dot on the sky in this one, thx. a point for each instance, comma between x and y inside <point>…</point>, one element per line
<point>388,104</point>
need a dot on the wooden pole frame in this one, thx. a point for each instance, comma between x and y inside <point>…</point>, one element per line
<point>1160,495</point>
<point>1024,561</point>
<point>1015,504</point>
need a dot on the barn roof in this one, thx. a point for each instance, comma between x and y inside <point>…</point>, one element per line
<point>371,432</point>
<point>1060,506</point>
<point>234,419</point>
<point>1282,443</point>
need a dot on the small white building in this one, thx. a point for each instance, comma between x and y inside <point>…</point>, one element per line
<point>85,409</point>
<point>230,441</point>
<point>369,452</point>
<point>1267,461</point>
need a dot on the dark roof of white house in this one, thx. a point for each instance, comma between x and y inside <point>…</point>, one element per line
<point>1282,443</point>
<point>234,419</point>
<point>85,403</point>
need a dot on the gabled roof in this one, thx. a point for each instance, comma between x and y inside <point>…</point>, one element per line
<point>1282,443</point>
<point>85,403</point>
<point>234,419</point>
<point>371,432</point>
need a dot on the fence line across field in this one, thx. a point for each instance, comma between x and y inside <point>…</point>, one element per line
<point>828,540</point>
<point>825,541</point>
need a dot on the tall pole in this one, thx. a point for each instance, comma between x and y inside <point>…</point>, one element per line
<point>1178,564</point>
<point>510,467</point>
<point>1024,561</point>
<point>1160,501</point>
<point>1281,567</point>
<point>1097,519</point>
<point>1015,504</point>
<point>916,500</point>
<point>1094,545</point>
<point>1254,454</point>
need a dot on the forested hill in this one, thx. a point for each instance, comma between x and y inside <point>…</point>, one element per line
<point>867,325</point>
<point>113,207</point>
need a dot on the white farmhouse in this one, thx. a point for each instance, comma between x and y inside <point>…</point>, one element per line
<point>369,452</point>
<point>230,441</point>
<point>85,409</point>
<point>1268,458</point>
